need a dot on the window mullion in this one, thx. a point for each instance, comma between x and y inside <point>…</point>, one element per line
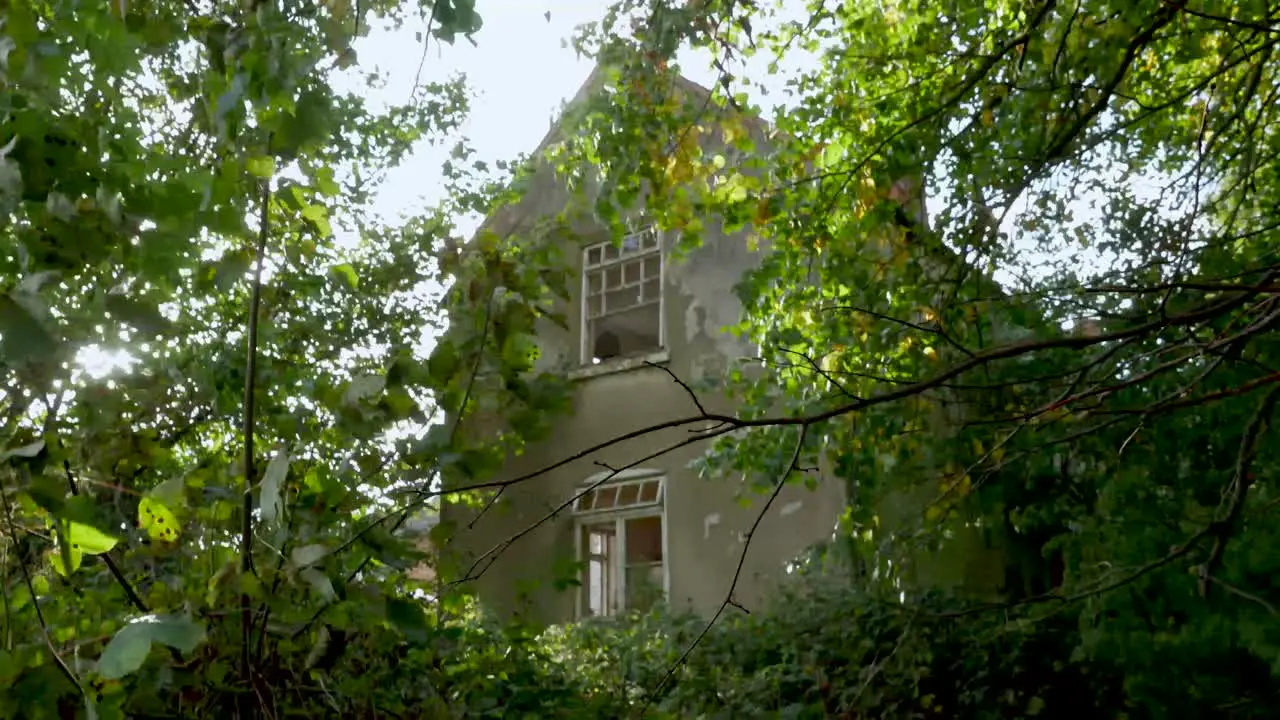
<point>621,564</point>
<point>584,323</point>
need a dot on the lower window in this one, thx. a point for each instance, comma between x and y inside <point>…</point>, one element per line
<point>621,546</point>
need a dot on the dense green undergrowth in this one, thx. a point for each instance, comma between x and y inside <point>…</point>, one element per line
<point>824,648</point>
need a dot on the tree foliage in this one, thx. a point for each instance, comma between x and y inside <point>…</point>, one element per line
<point>1073,349</point>
<point>1106,405</point>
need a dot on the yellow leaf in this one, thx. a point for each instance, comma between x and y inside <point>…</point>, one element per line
<point>158,520</point>
<point>764,211</point>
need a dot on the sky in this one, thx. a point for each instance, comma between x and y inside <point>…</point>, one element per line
<point>521,69</point>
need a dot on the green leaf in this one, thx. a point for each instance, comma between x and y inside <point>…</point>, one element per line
<point>363,387</point>
<point>47,492</point>
<point>318,215</point>
<point>64,559</point>
<point>74,541</point>
<point>406,615</point>
<point>89,540</point>
<point>263,167</point>
<point>23,336</point>
<point>141,315</point>
<point>158,519</point>
<point>128,650</point>
<point>346,274</point>
<point>171,492</point>
<point>29,450</point>
<point>271,501</point>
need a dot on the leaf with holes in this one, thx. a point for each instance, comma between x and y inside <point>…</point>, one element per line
<point>160,522</point>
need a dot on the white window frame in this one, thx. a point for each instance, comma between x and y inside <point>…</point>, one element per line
<point>584,518</point>
<point>584,320</point>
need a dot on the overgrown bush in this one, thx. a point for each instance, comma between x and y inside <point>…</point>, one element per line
<point>827,648</point>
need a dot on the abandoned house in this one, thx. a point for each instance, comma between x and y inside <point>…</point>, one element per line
<point>658,530</point>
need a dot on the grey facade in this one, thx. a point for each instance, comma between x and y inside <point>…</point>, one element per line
<point>663,525</point>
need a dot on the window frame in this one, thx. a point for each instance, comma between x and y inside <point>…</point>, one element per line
<point>585,358</point>
<point>619,517</point>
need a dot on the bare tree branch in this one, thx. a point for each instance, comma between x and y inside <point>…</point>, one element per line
<point>1237,493</point>
<point>737,573</point>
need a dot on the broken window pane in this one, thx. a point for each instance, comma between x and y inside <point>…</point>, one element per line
<point>630,332</point>
<point>617,300</point>
<point>652,291</point>
<point>627,494</point>
<point>644,540</point>
<point>605,497</point>
<point>600,542</point>
<point>644,587</point>
<point>649,491</point>
<point>628,280</point>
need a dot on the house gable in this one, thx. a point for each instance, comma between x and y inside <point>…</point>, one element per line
<point>704,529</point>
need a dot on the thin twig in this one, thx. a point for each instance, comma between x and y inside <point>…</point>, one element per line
<point>737,573</point>
<point>35,599</point>
<point>134,599</point>
<point>1243,594</point>
<point>685,386</point>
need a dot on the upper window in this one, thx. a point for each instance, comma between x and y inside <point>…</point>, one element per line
<point>621,543</point>
<point>622,298</point>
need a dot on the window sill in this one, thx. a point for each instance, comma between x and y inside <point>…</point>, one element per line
<point>619,365</point>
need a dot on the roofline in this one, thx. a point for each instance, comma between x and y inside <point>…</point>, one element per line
<point>591,84</point>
